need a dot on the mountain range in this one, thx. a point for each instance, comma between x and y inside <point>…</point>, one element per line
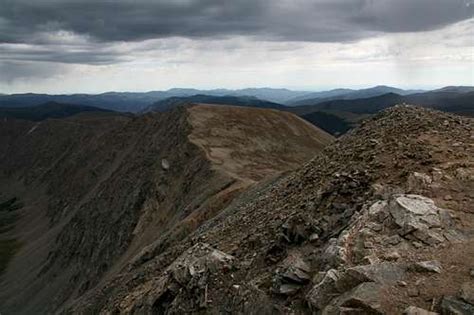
<point>335,111</point>
<point>348,94</point>
<point>338,116</point>
<point>137,102</point>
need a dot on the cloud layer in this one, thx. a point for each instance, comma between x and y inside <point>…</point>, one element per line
<point>171,34</point>
<point>26,21</point>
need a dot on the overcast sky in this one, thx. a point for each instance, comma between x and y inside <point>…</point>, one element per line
<point>65,46</point>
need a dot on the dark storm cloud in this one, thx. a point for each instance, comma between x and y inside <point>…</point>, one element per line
<point>83,31</point>
<point>318,20</point>
<point>90,54</point>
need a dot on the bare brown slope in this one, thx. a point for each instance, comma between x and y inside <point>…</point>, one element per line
<point>291,246</point>
<point>250,143</point>
<point>101,193</point>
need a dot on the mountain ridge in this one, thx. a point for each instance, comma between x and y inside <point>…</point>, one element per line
<point>282,249</point>
<point>134,185</point>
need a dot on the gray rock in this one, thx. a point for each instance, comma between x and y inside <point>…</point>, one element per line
<point>467,292</point>
<point>471,272</point>
<point>453,306</point>
<point>414,212</point>
<point>363,299</point>
<point>323,292</point>
<point>454,236</point>
<point>334,255</point>
<point>413,310</point>
<point>296,275</point>
<point>382,273</point>
<point>429,236</point>
<point>428,266</point>
<point>292,274</point>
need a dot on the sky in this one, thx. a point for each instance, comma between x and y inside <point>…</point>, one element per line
<point>93,46</point>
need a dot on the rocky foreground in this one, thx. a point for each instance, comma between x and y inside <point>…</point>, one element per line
<point>382,222</point>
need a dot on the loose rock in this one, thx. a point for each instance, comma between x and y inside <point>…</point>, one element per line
<point>428,266</point>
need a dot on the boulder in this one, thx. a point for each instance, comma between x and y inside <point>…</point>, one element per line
<point>419,216</point>
<point>414,212</point>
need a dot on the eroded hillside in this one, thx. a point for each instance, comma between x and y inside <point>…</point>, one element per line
<point>381,222</point>
<point>101,194</point>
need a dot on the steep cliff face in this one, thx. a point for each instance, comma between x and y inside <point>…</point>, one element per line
<point>103,193</point>
<point>379,223</point>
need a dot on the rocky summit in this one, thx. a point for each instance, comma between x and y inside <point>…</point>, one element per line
<point>379,221</point>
